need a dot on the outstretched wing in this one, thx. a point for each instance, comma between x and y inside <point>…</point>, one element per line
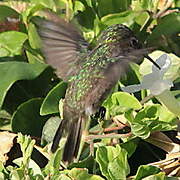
<point>62,45</point>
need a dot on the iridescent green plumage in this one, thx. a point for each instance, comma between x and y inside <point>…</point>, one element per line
<point>95,63</point>
<point>90,70</point>
<point>90,74</point>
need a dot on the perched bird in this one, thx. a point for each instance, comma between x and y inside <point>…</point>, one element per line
<point>91,74</point>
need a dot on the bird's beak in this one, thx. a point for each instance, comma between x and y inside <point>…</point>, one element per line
<point>149,58</point>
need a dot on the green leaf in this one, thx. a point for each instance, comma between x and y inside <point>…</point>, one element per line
<point>177,3</point>
<point>32,165</point>
<point>130,146</point>
<point>34,56</point>
<point>112,6</point>
<point>27,118</point>
<point>126,100</point>
<point>4,52</point>
<point>152,118</point>
<point>3,170</point>
<point>33,36</point>
<point>86,18</point>
<point>146,4</point>
<point>119,103</point>
<point>146,170</point>
<point>126,17</point>
<point>78,6</point>
<point>129,115</point>
<point>176,94</point>
<point>11,72</point>
<point>4,120</point>
<point>167,26</point>
<point>6,11</point>
<point>142,19</point>
<point>132,76</point>
<point>87,163</point>
<point>47,3</point>
<point>26,145</point>
<point>159,176</point>
<point>141,130</point>
<point>17,173</point>
<point>12,42</point>
<point>150,112</point>
<point>113,162</point>
<point>50,128</point>
<point>50,104</point>
<point>54,163</point>
<point>30,11</point>
<point>80,174</point>
<point>2,176</point>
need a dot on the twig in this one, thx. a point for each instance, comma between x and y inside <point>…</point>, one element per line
<point>111,129</point>
<point>146,99</point>
<point>90,138</point>
<point>163,10</point>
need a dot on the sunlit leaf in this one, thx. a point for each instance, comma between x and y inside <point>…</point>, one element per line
<point>145,170</point>
<point>47,3</point>
<point>11,42</point>
<point>142,19</point>
<point>112,161</point>
<point>151,118</point>
<point>126,17</point>
<point>34,39</point>
<point>80,174</point>
<point>125,100</point>
<point>50,104</point>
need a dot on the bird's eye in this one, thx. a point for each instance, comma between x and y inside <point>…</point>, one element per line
<point>134,43</point>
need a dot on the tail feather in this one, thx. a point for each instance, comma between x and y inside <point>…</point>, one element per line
<point>73,141</point>
<point>78,141</point>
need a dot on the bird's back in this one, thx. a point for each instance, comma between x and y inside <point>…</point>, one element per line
<point>98,73</point>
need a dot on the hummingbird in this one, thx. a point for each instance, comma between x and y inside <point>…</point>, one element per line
<point>91,73</point>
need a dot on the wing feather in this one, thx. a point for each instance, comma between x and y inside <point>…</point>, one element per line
<point>62,45</point>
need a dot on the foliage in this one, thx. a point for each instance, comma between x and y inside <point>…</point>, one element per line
<point>31,94</point>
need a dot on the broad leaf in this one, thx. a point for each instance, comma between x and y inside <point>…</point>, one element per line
<point>11,72</point>
<point>79,174</point>
<point>112,6</point>
<point>126,17</point>
<point>126,100</point>
<point>6,11</point>
<point>113,162</point>
<point>50,104</point>
<point>145,170</point>
<point>11,43</point>
<point>168,25</point>
<point>27,118</point>
<point>50,129</point>
<point>151,118</point>
<point>47,3</point>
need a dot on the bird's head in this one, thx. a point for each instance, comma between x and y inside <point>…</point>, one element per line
<point>122,41</point>
<point>120,35</point>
